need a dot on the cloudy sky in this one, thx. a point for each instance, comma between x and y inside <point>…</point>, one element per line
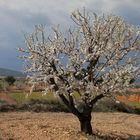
<point>20,16</point>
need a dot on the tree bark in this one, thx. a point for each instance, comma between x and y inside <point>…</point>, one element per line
<point>84,117</point>
<point>85,123</point>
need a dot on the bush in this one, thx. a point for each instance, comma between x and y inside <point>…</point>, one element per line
<point>108,105</point>
<point>10,80</point>
<point>1,87</point>
<point>43,105</point>
<point>7,107</point>
<point>56,106</point>
<point>2,102</point>
<point>105,105</point>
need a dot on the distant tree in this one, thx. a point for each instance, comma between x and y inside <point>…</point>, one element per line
<point>10,80</point>
<point>96,59</point>
<point>1,87</point>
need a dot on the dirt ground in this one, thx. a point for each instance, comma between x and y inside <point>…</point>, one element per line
<point>65,126</point>
<point>7,98</point>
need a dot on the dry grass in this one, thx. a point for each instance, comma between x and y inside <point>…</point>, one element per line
<point>64,126</point>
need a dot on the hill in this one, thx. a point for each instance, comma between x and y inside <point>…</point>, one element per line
<point>7,72</point>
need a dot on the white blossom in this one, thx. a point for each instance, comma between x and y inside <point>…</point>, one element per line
<point>138,33</point>
<point>96,58</point>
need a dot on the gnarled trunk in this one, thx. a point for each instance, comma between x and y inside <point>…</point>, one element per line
<point>84,116</point>
<point>85,123</point>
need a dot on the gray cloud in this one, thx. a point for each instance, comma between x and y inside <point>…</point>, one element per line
<point>130,13</point>
<point>17,16</point>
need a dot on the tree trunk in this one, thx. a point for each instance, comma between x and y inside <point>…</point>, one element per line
<point>84,117</point>
<point>85,123</point>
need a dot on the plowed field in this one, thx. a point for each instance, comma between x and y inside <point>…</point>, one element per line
<point>64,126</point>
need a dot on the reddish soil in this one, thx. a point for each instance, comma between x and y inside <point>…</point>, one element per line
<point>135,97</point>
<point>7,98</point>
<point>131,98</point>
<point>64,126</point>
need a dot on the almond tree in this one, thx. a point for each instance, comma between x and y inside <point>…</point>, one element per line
<point>96,59</point>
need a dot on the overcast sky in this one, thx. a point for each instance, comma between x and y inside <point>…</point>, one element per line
<point>18,16</point>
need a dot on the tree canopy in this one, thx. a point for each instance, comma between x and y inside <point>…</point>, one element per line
<point>97,58</point>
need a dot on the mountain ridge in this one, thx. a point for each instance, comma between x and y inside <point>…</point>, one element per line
<point>8,72</point>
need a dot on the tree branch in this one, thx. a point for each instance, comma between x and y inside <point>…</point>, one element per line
<point>96,99</point>
<point>70,105</point>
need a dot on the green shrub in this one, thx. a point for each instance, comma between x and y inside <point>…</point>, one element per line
<point>10,80</point>
<point>43,105</point>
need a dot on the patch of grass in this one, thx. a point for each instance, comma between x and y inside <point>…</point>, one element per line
<point>19,97</point>
<point>2,102</point>
<point>54,103</point>
<point>133,92</point>
<point>133,104</point>
<point>24,97</point>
